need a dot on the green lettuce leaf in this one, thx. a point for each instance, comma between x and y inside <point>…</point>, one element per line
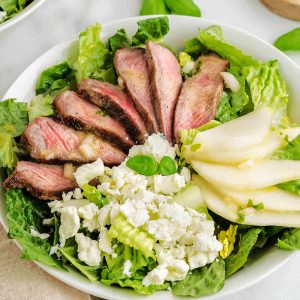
<point>151,30</point>
<point>292,186</point>
<point>24,212</point>
<point>69,252</point>
<point>119,40</point>
<point>183,7</point>
<point>202,282</point>
<point>40,106</point>
<point>289,41</point>
<point>240,256</point>
<point>194,48</point>
<point>141,265</point>
<point>153,7</point>
<point>12,7</point>
<point>8,156</point>
<point>267,88</point>
<point>290,240</point>
<point>93,60</point>
<point>54,78</point>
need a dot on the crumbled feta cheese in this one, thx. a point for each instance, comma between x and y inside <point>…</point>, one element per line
<point>105,241</point>
<point>155,146</point>
<point>156,277</point>
<point>162,229</point>
<point>136,212</point>
<point>49,221</point>
<point>85,173</point>
<point>35,233</point>
<point>177,269</point>
<point>90,215</point>
<point>186,173</point>
<point>176,213</point>
<point>69,223</point>
<point>188,67</point>
<point>126,268</point>
<point>67,196</point>
<point>77,194</point>
<point>56,205</point>
<point>88,250</point>
<point>168,184</point>
<point>54,249</point>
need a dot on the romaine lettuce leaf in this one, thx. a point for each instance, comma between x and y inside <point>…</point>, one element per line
<point>183,7</point>
<point>93,60</point>
<point>119,40</point>
<point>151,30</point>
<point>69,252</point>
<point>237,259</point>
<point>22,213</point>
<point>93,194</point>
<point>8,156</point>
<point>267,88</point>
<point>141,265</point>
<point>153,7</point>
<point>290,240</point>
<point>54,78</point>
<point>292,186</point>
<point>12,7</point>
<point>194,48</point>
<point>202,282</point>
<point>40,106</point>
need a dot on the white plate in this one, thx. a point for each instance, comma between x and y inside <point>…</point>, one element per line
<point>22,15</point>
<point>181,29</point>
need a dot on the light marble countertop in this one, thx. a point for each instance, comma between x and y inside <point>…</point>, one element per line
<point>59,20</point>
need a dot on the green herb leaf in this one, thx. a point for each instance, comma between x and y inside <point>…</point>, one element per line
<point>290,240</point>
<point>236,260</point>
<point>153,7</point>
<point>183,7</point>
<point>289,41</point>
<point>119,40</point>
<point>93,194</point>
<point>202,282</point>
<point>143,164</point>
<point>150,30</point>
<point>167,166</point>
<point>54,78</point>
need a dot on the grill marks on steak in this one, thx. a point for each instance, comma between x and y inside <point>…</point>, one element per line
<point>83,115</point>
<point>48,141</point>
<point>116,103</point>
<point>46,182</point>
<point>131,66</point>
<point>200,95</point>
<point>166,82</point>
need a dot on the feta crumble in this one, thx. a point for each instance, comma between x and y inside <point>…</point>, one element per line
<point>35,233</point>
<point>126,268</point>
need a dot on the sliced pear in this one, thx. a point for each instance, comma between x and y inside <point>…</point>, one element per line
<point>229,210</point>
<point>240,133</point>
<point>263,174</point>
<point>272,198</point>
<point>272,142</point>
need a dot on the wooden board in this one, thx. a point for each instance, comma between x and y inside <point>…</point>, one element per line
<point>286,8</point>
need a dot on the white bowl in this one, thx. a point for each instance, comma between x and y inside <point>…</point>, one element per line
<point>181,29</point>
<point>22,15</point>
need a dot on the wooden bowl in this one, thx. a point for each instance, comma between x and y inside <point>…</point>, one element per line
<point>286,8</point>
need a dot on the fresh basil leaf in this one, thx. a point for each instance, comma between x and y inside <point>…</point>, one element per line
<point>236,260</point>
<point>93,194</point>
<point>153,7</point>
<point>143,164</point>
<point>167,166</point>
<point>54,78</point>
<point>183,7</point>
<point>150,30</point>
<point>289,41</point>
<point>202,282</point>
<point>119,40</point>
<point>290,240</point>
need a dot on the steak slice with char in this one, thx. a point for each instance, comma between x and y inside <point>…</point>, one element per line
<point>46,182</point>
<point>131,66</point>
<point>48,140</point>
<point>166,82</point>
<point>116,103</point>
<point>83,115</point>
<point>200,95</point>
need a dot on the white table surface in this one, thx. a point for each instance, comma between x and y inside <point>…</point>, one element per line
<point>59,20</point>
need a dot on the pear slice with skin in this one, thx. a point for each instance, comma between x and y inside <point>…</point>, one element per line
<point>229,210</point>
<point>272,142</point>
<point>240,133</point>
<point>263,174</point>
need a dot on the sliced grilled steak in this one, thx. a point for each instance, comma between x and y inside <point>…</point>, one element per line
<point>166,82</point>
<point>200,95</point>
<point>116,103</point>
<point>46,182</point>
<point>131,66</point>
<point>83,115</point>
<point>47,140</point>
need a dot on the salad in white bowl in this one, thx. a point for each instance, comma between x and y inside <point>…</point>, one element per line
<point>149,169</point>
